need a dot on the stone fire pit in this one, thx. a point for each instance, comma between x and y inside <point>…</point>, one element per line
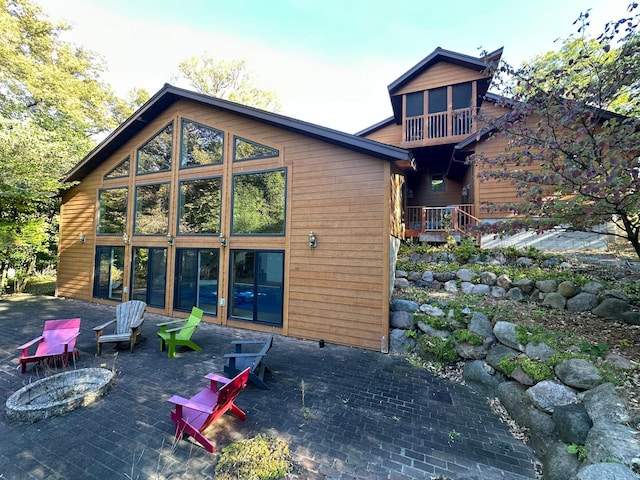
<point>58,394</point>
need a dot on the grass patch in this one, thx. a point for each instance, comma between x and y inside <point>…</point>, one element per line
<point>41,285</point>
<point>258,458</point>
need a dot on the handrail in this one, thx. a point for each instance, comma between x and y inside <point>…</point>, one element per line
<point>434,219</point>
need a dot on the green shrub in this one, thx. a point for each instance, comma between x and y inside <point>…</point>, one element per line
<point>258,458</point>
<point>439,323</point>
<point>507,365</point>
<point>538,370</point>
<point>436,348</point>
<point>463,335</point>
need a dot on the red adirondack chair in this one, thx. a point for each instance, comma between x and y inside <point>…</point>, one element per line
<point>192,416</point>
<point>57,342</point>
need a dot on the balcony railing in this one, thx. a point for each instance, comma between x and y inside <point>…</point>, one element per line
<point>450,219</point>
<point>439,125</point>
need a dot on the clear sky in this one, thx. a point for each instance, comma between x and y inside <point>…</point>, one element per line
<point>329,61</point>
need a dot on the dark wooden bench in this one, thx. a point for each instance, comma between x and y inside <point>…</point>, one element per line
<point>192,416</point>
<point>241,359</point>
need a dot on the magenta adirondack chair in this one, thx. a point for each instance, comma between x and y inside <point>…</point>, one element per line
<point>192,416</point>
<point>57,342</point>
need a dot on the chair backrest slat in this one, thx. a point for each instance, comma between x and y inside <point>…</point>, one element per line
<point>129,314</point>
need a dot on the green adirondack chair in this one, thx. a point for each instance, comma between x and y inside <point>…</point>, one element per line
<point>179,332</point>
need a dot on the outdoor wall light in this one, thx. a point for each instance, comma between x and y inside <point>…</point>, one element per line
<point>126,239</point>
<point>82,237</point>
<point>170,239</point>
<point>224,241</point>
<point>313,241</point>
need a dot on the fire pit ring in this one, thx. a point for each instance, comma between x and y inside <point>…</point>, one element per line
<point>58,394</point>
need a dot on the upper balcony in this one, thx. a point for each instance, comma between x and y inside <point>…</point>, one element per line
<point>438,128</point>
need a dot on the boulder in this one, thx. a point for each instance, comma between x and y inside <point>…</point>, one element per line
<point>547,286</point>
<point>582,302</point>
<point>481,378</point>
<point>547,395</point>
<point>542,432</point>
<point>560,464</point>
<point>414,276</point>
<point>488,278</point>
<point>539,351</point>
<point>555,300</point>
<point>605,471</point>
<point>498,352</point>
<point>427,276</point>
<point>593,287</point>
<point>431,310</point>
<point>524,284</point>
<point>524,262</point>
<point>481,290</point>
<point>498,292</point>
<point>620,295</point>
<point>611,309</point>
<point>466,287</point>
<point>578,373</point>
<point>631,318</point>
<point>401,319</point>
<point>470,352</point>
<point>572,423</point>
<point>505,332</point>
<point>504,281</point>
<point>515,294</point>
<point>406,305</point>
<point>612,442</point>
<point>481,325</point>
<point>568,289</point>
<point>398,341</point>
<point>444,276</point>
<point>401,274</point>
<point>451,286</point>
<point>603,404</point>
<point>401,283</point>
<point>513,397</point>
<point>466,275</point>
<point>427,329</point>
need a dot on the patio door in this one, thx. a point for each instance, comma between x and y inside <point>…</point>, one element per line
<point>149,275</point>
<point>257,286</point>
<point>196,280</point>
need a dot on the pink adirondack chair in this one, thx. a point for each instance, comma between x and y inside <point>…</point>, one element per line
<point>57,342</point>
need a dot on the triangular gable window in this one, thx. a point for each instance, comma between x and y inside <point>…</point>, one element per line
<point>244,149</point>
<point>120,170</point>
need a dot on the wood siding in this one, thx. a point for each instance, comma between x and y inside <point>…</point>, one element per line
<point>441,74</point>
<point>390,134</point>
<point>337,292</point>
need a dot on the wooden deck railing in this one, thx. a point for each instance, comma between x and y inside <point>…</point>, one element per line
<point>452,218</point>
<point>438,125</point>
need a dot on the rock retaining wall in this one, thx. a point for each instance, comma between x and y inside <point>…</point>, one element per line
<point>573,407</point>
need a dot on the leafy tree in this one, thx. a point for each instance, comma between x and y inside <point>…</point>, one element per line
<point>52,103</point>
<point>573,135</point>
<point>227,80</point>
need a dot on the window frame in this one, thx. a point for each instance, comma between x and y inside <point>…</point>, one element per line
<point>135,208</point>
<point>181,204</point>
<point>153,137</point>
<point>126,210</point>
<point>180,154</point>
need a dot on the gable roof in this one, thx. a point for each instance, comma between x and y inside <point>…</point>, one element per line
<point>478,64</point>
<point>170,94</point>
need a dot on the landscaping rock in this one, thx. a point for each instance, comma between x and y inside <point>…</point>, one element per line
<point>498,352</point>
<point>572,423</point>
<point>631,318</point>
<point>466,288</point>
<point>406,305</point>
<point>401,283</point>
<point>593,287</point>
<point>548,394</point>
<point>470,352</point>
<point>582,302</point>
<point>604,405</point>
<point>539,351</point>
<point>399,343</point>
<point>523,377</point>
<point>431,310</point>
<point>488,278</point>
<point>498,292</point>
<point>505,332</point>
<point>568,289</point>
<point>542,433</point>
<point>524,262</point>
<point>578,373</point>
<point>555,300</point>
<point>561,465</point>
<point>401,319</point>
<point>451,286</point>
<point>613,294</point>
<point>481,290</point>
<point>427,276</point>
<point>414,276</point>
<point>607,442</point>
<point>481,325</point>
<point>444,276</point>
<point>401,274</point>
<point>525,284</point>
<point>504,281</point>
<point>480,379</point>
<point>466,275</point>
<point>429,330</point>
<point>619,361</point>
<point>515,400</point>
<point>515,294</point>
<point>547,286</point>
<point>611,308</point>
<point>605,471</point>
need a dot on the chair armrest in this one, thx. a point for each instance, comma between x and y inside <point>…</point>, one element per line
<point>138,323</point>
<point>103,326</point>
<point>29,343</point>
<point>171,330</point>
<point>180,320</point>
<point>244,355</point>
<point>72,337</point>
<point>217,378</point>
<point>186,403</point>
<point>247,342</point>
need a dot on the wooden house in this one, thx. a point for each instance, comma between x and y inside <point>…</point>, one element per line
<point>259,219</point>
<point>436,105</point>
